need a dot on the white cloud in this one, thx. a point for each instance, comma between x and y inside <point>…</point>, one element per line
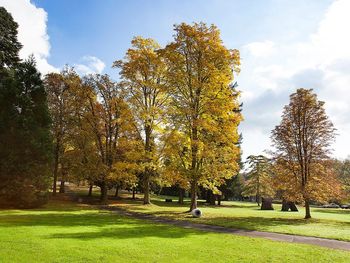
<point>321,62</point>
<point>32,31</point>
<point>32,34</point>
<point>260,49</point>
<point>90,64</point>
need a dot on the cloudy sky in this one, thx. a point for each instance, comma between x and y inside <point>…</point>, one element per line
<point>284,45</point>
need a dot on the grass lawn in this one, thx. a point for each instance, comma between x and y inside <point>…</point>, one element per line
<point>64,232</point>
<point>327,223</point>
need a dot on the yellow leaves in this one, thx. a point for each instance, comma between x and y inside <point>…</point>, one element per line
<point>204,107</point>
<point>174,111</point>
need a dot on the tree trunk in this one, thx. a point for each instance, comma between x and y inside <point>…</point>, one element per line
<point>62,189</point>
<point>146,186</point>
<point>104,194</point>
<point>90,190</point>
<point>257,197</point>
<point>116,191</point>
<point>181,196</point>
<point>193,195</point>
<point>211,198</point>
<point>146,194</point>
<point>133,193</point>
<point>55,170</point>
<point>219,199</point>
<point>307,209</point>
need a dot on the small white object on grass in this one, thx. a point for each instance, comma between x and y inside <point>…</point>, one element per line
<point>196,212</point>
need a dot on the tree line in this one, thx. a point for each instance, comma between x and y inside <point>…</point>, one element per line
<point>171,120</point>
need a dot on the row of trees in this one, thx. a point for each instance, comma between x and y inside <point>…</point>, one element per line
<point>172,117</point>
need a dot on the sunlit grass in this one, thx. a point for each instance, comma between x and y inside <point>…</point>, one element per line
<point>327,223</point>
<point>64,232</point>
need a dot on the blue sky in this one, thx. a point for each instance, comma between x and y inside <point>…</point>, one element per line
<point>284,45</point>
<point>105,28</point>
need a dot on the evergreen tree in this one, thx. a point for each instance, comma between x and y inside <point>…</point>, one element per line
<point>9,45</point>
<point>25,143</point>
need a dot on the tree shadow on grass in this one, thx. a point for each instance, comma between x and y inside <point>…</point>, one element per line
<point>103,224</point>
<point>64,219</point>
<point>332,211</point>
<point>134,231</point>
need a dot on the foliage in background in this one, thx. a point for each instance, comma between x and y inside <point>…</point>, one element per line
<point>258,178</point>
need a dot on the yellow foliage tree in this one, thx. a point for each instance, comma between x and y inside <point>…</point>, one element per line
<point>204,108</point>
<point>143,73</point>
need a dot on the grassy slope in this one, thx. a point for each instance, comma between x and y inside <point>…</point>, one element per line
<point>67,233</point>
<point>327,223</point>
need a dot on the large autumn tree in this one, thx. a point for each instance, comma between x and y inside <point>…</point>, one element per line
<point>302,145</point>
<point>143,74</point>
<point>204,108</point>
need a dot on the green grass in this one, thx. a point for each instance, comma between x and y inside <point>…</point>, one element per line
<point>64,232</point>
<point>327,223</point>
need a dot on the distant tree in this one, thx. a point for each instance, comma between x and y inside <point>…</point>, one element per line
<point>203,108</point>
<point>112,125</point>
<point>236,187</point>
<point>302,143</point>
<point>143,74</point>
<point>9,45</point>
<point>258,178</point>
<point>171,175</point>
<point>233,187</point>
<point>62,99</point>
<point>342,170</point>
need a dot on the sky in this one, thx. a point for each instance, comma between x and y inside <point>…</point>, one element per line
<point>284,45</point>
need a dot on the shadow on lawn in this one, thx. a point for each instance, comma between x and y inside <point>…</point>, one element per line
<point>332,211</point>
<point>103,224</point>
<point>64,219</point>
<point>139,230</point>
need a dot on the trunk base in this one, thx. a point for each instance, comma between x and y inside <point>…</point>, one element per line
<point>62,188</point>
<point>104,195</point>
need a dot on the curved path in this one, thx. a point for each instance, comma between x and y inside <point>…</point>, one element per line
<point>323,242</point>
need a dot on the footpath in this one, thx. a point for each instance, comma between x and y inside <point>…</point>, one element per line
<point>323,242</point>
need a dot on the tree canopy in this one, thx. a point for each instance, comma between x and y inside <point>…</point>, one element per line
<point>302,145</point>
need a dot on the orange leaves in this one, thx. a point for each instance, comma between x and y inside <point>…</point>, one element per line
<point>302,142</point>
